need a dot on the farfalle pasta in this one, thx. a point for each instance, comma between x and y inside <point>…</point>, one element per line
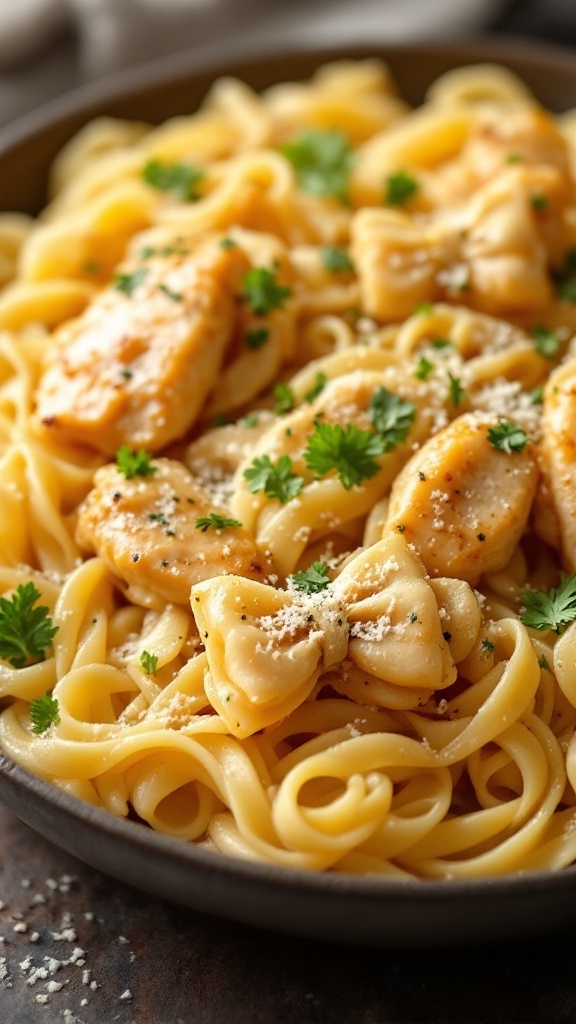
<point>287,487</point>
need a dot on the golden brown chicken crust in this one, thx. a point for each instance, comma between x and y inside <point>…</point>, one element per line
<point>145,531</point>
<point>136,367</point>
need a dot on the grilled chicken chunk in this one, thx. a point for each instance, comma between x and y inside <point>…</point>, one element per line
<point>136,367</point>
<point>557,452</point>
<point>145,531</point>
<point>463,503</point>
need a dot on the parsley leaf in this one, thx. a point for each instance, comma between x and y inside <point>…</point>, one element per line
<point>313,580</point>
<point>179,180</point>
<point>217,521</point>
<point>456,392</point>
<point>565,277</point>
<point>507,437</point>
<point>391,416</point>
<point>539,203</point>
<point>128,283</point>
<point>536,395</point>
<point>262,291</point>
<point>323,161</point>
<point>25,631</point>
<point>284,396</point>
<point>134,463</point>
<point>175,296</point>
<point>149,662</point>
<point>424,368</point>
<point>44,712</point>
<point>550,609</point>
<point>399,188</point>
<point>251,420</point>
<point>546,342</point>
<point>351,452</point>
<point>255,339</point>
<point>320,382</point>
<point>277,481</point>
<point>336,261</point>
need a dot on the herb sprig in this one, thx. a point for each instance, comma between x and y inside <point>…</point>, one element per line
<point>550,609</point>
<point>180,180</point>
<point>134,463</point>
<point>44,712</point>
<point>274,480</point>
<point>26,630</point>
<point>216,521</point>
<point>323,162</point>
<point>313,580</point>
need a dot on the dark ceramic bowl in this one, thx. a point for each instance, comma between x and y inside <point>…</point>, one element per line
<point>333,907</point>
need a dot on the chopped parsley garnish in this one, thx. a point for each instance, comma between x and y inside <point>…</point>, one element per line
<point>44,712</point>
<point>399,188</point>
<point>219,420</point>
<point>262,291</point>
<point>336,261</point>
<point>440,343</point>
<point>147,251</point>
<point>128,283</point>
<point>284,398</point>
<point>487,645</point>
<point>26,629</point>
<point>543,663</point>
<point>149,662</point>
<point>91,267</point>
<point>565,277</point>
<point>175,296</point>
<point>251,420</point>
<point>423,308</point>
<point>456,392</point>
<point>320,382</point>
<point>323,161</point>
<point>312,580</point>
<point>536,396</point>
<point>228,243</point>
<point>351,452</point>
<point>424,368</point>
<point>507,437</point>
<point>217,521</point>
<point>391,416</point>
<point>179,180</point>
<point>539,203</point>
<point>514,158</point>
<point>126,372</point>
<point>256,338</point>
<point>134,463</point>
<point>550,609</point>
<point>276,481</point>
<point>546,342</point>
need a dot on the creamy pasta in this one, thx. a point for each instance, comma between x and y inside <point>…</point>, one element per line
<point>288,478</point>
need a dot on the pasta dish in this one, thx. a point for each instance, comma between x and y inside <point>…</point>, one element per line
<point>288,475</point>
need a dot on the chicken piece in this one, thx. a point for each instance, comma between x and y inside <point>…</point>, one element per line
<point>557,455</point>
<point>463,503</point>
<point>145,531</point>
<point>136,367</point>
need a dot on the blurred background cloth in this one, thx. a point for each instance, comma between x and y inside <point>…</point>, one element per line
<point>50,46</point>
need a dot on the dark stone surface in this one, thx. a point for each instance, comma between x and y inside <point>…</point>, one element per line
<point>183,967</point>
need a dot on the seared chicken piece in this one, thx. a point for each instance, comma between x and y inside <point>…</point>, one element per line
<point>136,367</point>
<point>557,452</point>
<point>145,531</point>
<point>463,503</point>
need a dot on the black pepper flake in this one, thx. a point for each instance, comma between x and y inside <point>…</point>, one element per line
<point>190,501</point>
<point>242,617</point>
<point>481,536</point>
<point>401,527</point>
<point>165,562</point>
<point>48,421</point>
<point>205,636</point>
<point>116,496</point>
<point>421,475</point>
<point>135,558</point>
<point>310,618</point>
<point>447,636</point>
<point>339,622</point>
